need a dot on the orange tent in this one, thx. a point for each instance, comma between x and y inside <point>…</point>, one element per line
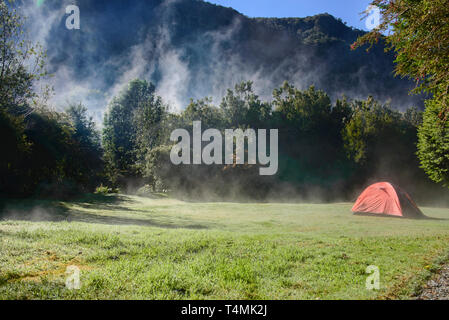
<point>383,198</point>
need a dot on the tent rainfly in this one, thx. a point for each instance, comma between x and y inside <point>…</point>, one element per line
<point>386,199</point>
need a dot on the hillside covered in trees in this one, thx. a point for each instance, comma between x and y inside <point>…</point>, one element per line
<point>192,49</point>
<point>344,120</point>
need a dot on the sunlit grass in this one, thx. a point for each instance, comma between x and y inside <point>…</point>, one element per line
<point>137,248</point>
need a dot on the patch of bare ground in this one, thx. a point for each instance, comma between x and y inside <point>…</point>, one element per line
<point>437,288</point>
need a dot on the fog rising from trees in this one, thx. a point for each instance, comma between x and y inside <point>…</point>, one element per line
<point>237,73</point>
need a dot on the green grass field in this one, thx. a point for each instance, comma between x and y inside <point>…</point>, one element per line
<point>130,247</point>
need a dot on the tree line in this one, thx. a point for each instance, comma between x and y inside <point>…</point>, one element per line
<point>328,150</point>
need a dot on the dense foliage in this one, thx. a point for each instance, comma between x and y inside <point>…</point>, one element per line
<point>44,152</point>
<point>131,126</point>
<point>418,32</point>
<point>433,146</point>
<point>21,62</point>
<point>326,150</point>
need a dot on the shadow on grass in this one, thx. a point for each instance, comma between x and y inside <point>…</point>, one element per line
<point>113,202</point>
<point>423,217</point>
<point>37,210</point>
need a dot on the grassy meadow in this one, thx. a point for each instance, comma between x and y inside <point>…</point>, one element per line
<point>129,247</point>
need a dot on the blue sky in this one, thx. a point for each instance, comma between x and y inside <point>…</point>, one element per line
<point>348,10</point>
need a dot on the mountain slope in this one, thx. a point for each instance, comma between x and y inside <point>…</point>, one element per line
<point>192,49</point>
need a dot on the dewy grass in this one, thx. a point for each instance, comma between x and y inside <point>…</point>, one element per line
<point>129,247</point>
